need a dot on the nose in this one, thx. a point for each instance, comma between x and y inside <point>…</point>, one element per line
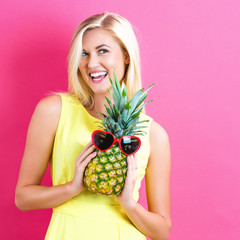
<point>92,61</point>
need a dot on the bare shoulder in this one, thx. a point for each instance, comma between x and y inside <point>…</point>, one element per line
<point>47,114</point>
<point>157,132</point>
<point>50,104</point>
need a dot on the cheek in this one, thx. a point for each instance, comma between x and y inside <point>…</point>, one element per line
<point>81,69</point>
<point>110,62</point>
<point>117,63</point>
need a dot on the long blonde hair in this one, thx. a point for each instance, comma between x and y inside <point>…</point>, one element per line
<point>122,30</point>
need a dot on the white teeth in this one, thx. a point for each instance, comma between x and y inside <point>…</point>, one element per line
<point>97,74</point>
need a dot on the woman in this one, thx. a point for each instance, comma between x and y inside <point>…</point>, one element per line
<point>60,132</point>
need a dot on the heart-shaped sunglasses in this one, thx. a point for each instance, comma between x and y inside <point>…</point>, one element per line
<point>105,140</point>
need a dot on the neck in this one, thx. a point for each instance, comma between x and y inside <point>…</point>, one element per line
<point>99,101</point>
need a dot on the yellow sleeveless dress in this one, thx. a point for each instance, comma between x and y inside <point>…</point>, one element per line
<point>87,216</point>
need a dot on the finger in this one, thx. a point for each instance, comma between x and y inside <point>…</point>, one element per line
<point>85,162</point>
<point>89,145</point>
<point>136,163</point>
<point>130,166</point>
<point>134,168</point>
<point>84,154</point>
<point>135,171</point>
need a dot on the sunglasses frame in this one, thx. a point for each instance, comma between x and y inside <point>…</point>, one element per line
<point>116,140</point>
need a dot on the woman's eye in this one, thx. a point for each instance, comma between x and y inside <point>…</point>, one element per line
<point>84,54</point>
<point>103,51</point>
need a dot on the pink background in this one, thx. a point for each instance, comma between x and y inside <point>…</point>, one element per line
<point>190,48</point>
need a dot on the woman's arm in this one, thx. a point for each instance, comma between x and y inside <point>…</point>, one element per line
<point>156,222</point>
<point>29,193</point>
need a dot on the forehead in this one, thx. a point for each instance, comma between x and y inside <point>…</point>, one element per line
<point>98,36</point>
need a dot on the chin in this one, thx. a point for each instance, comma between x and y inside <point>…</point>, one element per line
<point>100,89</point>
<point>101,92</point>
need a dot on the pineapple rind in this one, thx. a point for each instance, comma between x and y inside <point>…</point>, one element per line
<point>106,172</point>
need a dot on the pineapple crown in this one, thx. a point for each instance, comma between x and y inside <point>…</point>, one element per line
<point>123,116</point>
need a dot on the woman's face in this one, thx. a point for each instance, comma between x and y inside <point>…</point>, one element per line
<point>101,55</point>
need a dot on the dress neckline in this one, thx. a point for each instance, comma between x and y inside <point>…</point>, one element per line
<point>84,109</point>
<point>91,114</point>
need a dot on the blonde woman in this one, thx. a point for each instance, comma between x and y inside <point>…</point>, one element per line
<point>60,133</point>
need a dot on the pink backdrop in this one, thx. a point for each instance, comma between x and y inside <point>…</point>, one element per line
<point>190,48</point>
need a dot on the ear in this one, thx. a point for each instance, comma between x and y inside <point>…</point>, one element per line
<point>127,59</point>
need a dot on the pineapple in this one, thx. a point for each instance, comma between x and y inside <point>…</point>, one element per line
<point>106,172</point>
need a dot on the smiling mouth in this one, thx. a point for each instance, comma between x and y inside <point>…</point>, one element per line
<point>98,76</point>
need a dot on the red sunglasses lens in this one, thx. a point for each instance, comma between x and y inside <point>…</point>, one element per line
<point>103,140</point>
<point>129,145</point>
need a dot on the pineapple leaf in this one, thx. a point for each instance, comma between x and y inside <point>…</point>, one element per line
<point>142,97</point>
<point>110,121</point>
<point>108,110</point>
<point>122,114</point>
<point>143,121</point>
<point>115,94</point>
<point>116,110</point>
<point>117,83</point>
<point>128,106</point>
<point>140,108</point>
<point>135,98</point>
<point>134,101</point>
<point>110,105</point>
<point>139,127</point>
<point>102,115</point>
<point>121,122</point>
<point>142,133</point>
<point>135,115</point>
<point>124,100</point>
<point>124,91</point>
<point>131,126</point>
<point>133,121</point>
<point>110,91</point>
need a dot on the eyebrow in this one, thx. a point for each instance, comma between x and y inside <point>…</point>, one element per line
<point>102,45</point>
<point>99,46</point>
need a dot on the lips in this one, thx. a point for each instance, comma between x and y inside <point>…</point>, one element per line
<point>98,76</point>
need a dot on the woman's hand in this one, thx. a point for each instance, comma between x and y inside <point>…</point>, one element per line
<point>80,164</point>
<point>126,196</point>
